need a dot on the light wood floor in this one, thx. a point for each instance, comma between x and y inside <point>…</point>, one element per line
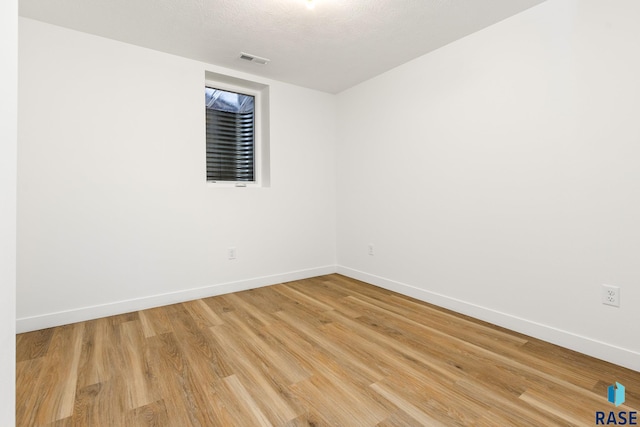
<point>324,351</point>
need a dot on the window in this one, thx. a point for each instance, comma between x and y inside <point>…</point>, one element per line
<point>237,132</point>
<point>230,136</point>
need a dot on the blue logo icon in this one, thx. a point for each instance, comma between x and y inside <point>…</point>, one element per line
<point>616,394</point>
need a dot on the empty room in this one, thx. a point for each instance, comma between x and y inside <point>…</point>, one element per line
<point>320,213</point>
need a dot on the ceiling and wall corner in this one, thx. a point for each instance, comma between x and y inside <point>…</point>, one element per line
<point>334,46</point>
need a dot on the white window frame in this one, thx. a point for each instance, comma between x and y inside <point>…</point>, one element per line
<point>260,92</point>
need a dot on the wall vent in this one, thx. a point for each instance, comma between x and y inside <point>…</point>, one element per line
<point>254,58</point>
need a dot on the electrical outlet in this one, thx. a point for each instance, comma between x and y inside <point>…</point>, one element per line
<point>371,251</point>
<point>611,295</point>
<point>231,253</point>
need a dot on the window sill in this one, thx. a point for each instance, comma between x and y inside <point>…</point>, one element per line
<point>233,184</point>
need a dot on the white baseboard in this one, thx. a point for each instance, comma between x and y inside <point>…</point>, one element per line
<point>610,353</point>
<point>26,324</point>
<point>617,355</point>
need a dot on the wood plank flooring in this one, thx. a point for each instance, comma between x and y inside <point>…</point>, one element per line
<point>327,351</point>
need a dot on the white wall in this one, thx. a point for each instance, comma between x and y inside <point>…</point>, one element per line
<point>497,176</point>
<point>8,167</point>
<point>114,211</point>
<point>500,176</point>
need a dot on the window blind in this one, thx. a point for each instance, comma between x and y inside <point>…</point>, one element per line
<point>230,137</point>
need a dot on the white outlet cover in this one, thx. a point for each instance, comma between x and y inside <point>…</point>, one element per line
<point>611,295</point>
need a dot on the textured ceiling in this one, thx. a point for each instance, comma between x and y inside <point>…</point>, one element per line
<point>332,47</point>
